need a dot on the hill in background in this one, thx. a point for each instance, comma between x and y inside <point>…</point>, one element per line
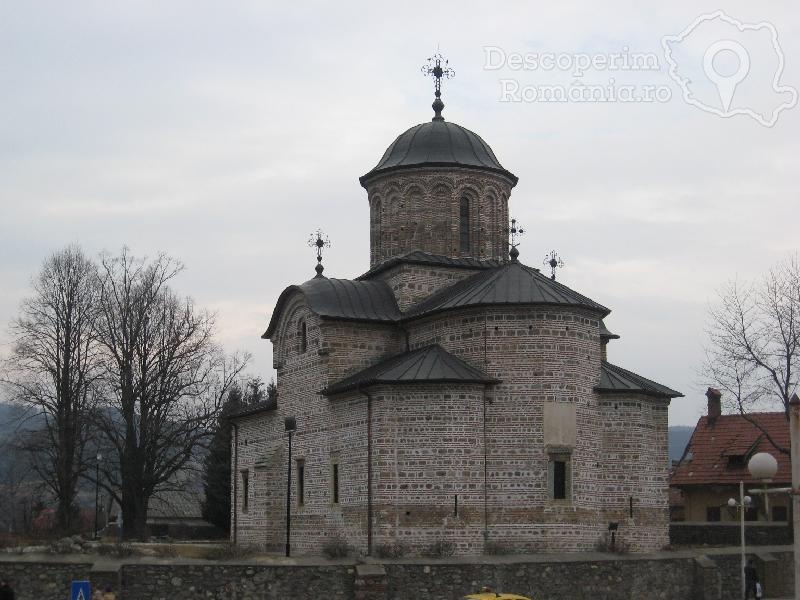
<point>679,436</point>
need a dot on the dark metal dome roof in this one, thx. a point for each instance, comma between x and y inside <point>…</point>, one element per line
<point>341,299</point>
<point>438,144</point>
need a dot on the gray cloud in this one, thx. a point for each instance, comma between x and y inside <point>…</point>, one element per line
<point>225,133</point>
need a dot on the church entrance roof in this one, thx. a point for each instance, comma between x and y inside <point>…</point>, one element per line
<point>431,364</point>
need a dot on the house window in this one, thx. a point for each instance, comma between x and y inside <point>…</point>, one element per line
<point>303,334</point>
<point>736,461</point>
<point>301,482</point>
<point>335,482</point>
<point>464,225</point>
<point>245,490</point>
<point>713,514</point>
<point>779,513</point>
<point>558,475</point>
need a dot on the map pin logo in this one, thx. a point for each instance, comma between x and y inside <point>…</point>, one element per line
<point>726,85</point>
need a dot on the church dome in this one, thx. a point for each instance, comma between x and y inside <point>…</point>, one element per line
<point>438,144</point>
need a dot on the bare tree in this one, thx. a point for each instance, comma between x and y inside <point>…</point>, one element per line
<point>166,380</point>
<point>20,489</point>
<point>754,342</point>
<point>53,368</point>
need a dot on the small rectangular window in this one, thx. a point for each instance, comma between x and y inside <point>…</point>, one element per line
<point>245,491</point>
<point>464,225</point>
<point>713,514</point>
<point>335,482</point>
<point>301,482</point>
<point>303,336</point>
<point>558,475</point>
<point>559,479</point>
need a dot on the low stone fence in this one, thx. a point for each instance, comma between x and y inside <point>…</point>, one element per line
<point>728,534</point>
<point>663,576</point>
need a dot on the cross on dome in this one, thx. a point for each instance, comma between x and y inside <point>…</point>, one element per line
<point>554,261</point>
<point>319,241</point>
<point>514,232</point>
<point>437,67</point>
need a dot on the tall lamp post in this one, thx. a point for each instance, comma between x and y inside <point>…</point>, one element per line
<point>290,425</point>
<point>97,493</point>
<point>762,466</point>
<point>742,504</point>
<point>794,430</point>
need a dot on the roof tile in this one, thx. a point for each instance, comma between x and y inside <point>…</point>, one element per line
<point>705,460</point>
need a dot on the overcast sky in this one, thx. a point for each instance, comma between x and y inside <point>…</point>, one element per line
<point>224,133</point>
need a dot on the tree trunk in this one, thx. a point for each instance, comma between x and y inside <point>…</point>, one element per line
<point>134,514</point>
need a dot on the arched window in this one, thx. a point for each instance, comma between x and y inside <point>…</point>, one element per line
<point>463,223</point>
<point>302,333</point>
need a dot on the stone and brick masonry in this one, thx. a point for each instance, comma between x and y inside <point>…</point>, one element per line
<point>468,465</point>
<point>666,576</point>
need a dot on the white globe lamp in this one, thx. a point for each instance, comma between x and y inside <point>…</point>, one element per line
<point>763,466</point>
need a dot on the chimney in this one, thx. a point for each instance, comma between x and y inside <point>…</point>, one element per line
<point>714,403</point>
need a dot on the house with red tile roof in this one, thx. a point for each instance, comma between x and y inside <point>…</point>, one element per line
<point>715,461</point>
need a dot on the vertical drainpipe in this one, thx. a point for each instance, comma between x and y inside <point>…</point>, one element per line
<point>485,477</point>
<point>485,442</point>
<point>235,474</point>
<point>369,470</point>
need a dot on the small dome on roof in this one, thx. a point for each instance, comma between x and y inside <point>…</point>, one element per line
<point>438,144</point>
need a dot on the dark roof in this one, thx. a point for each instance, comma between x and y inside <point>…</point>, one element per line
<point>706,458</point>
<point>418,257</point>
<point>511,283</point>
<point>431,364</point>
<point>616,380</point>
<point>254,409</point>
<point>438,144</point>
<point>175,504</point>
<point>342,299</point>
<point>605,333</point>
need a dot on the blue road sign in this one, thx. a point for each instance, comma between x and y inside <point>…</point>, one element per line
<point>81,590</point>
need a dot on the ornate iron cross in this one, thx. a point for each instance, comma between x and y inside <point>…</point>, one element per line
<point>437,67</point>
<point>515,233</point>
<point>319,241</point>
<point>554,261</point>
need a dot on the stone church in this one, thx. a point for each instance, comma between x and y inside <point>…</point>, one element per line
<point>451,396</point>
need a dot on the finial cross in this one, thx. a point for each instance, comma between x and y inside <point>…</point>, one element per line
<point>514,232</point>
<point>438,67</point>
<point>554,261</point>
<point>319,241</point>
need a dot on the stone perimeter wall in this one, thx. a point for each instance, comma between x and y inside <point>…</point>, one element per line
<point>683,577</point>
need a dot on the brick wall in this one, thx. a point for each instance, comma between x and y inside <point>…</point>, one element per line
<point>714,576</point>
<point>413,283</point>
<point>418,209</point>
<point>428,440</point>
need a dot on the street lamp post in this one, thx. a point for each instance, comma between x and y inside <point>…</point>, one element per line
<point>762,466</point>
<point>794,429</point>
<point>290,425</point>
<point>97,493</point>
<point>742,504</point>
